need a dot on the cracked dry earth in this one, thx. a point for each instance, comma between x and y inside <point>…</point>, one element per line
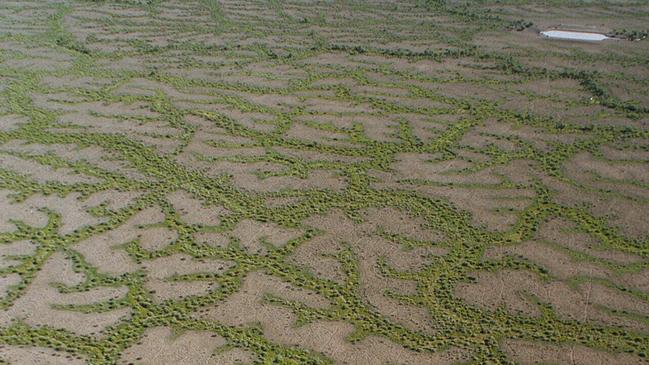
<point>264,182</point>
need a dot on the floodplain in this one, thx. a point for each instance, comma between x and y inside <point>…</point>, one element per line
<point>307,182</point>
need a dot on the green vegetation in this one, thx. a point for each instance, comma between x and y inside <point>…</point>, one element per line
<point>267,71</point>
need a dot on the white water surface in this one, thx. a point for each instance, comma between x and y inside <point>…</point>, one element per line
<point>574,36</point>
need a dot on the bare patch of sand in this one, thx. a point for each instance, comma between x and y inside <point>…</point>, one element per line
<point>30,355</point>
<point>528,353</point>
<point>252,234</point>
<point>34,307</point>
<point>157,238</point>
<point>181,264</point>
<point>112,199</point>
<point>508,289</point>
<point>161,346</point>
<point>161,272</point>
<point>247,307</point>
<point>11,122</point>
<point>104,250</point>
<point>369,248</point>
<point>193,211</point>
<point>71,209</point>
<point>8,251</point>
<point>10,211</point>
<point>43,173</point>
<point>565,233</point>
<point>557,262</point>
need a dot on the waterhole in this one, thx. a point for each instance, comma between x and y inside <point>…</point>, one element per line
<point>574,36</point>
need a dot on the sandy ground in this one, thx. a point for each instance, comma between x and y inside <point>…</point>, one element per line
<point>230,182</point>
